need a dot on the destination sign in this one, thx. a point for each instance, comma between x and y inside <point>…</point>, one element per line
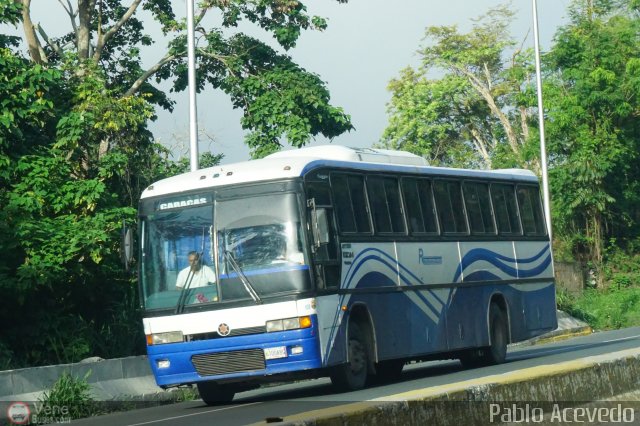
<point>183,202</point>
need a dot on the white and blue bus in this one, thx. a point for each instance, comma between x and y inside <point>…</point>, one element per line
<point>331,261</point>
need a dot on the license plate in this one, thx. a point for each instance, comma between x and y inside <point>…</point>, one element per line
<point>274,353</point>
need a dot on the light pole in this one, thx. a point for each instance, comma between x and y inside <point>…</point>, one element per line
<point>543,148</point>
<point>193,110</point>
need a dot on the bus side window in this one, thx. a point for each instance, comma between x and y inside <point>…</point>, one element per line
<point>506,209</point>
<point>344,214</point>
<point>386,207</point>
<point>419,205</point>
<point>476,199</point>
<point>448,195</point>
<point>351,203</point>
<point>531,210</point>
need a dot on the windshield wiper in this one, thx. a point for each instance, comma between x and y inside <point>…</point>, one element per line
<point>245,282</point>
<point>182,299</point>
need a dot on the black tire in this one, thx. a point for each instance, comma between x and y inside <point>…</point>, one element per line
<point>499,335</point>
<point>496,352</point>
<point>213,393</point>
<point>388,371</point>
<point>353,375</point>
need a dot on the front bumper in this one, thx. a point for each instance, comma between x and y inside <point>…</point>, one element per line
<point>239,358</point>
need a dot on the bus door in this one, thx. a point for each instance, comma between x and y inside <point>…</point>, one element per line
<point>325,246</point>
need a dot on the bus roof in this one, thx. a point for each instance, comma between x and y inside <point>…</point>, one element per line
<point>296,163</point>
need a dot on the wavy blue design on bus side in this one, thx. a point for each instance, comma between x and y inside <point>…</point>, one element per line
<point>482,276</point>
<point>373,254</point>
<point>410,279</point>
<point>401,271</point>
<point>500,261</point>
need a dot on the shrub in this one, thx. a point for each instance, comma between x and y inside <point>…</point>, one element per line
<point>69,398</point>
<point>608,309</point>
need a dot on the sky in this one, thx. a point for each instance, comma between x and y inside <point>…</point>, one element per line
<point>366,44</point>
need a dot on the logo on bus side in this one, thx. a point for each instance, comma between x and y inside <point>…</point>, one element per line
<point>428,260</point>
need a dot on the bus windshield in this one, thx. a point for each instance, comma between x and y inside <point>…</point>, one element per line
<point>186,253</point>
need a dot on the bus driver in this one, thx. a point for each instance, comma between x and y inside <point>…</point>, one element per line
<point>197,273</point>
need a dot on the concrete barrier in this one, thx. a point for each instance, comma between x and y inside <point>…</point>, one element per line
<point>130,378</point>
<point>550,389</point>
<point>110,379</point>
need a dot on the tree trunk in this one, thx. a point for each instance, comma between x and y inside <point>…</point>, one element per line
<point>83,34</point>
<point>35,50</point>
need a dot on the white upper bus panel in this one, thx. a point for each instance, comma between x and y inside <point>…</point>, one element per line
<point>343,153</point>
<point>295,163</point>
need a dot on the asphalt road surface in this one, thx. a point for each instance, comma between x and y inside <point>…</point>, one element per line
<point>280,401</point>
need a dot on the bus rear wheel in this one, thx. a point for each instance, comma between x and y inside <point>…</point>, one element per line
<point>496,352</point>
<point>213,393</point>
<point>353,375</point>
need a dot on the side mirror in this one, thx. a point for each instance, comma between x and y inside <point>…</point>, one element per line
<point>320,220</point>
<point>126,246</point>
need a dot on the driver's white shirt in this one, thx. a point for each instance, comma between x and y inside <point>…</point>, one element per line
<point>201,278</point>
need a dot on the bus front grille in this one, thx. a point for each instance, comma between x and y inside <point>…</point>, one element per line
<point>228,362</point>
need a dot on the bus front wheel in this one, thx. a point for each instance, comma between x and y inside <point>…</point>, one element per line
<point>213,393</point>
<point>353,375</point>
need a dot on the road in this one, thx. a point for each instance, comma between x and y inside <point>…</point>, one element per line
<point>279,401</point>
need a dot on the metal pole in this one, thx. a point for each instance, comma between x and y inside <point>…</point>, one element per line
<point>193,110</point>
<point>543,148</point>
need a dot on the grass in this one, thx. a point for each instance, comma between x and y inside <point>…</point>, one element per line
<point>70,398</point>
<point>611,308</point>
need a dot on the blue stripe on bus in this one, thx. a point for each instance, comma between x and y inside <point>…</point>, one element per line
<point>482,276</point>
<point>396,271</point>
<point>410,279</point>
<point>404,269</point>
<point>267,271</point>
<point>358,262</point>
<point>481,254</point>
<point>422,171</point>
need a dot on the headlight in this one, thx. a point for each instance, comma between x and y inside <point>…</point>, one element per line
<point>163,338</point>
<point>288,324</point>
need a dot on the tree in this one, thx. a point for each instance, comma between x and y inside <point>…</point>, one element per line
<point>478,112</point>
<point>76,152</point>
<point>280,100</point>
<point>593,124</point>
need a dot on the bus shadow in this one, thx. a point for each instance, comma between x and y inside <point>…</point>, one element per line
<point>434,372</point>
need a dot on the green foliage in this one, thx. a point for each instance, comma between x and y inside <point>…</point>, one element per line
<point>10,13</point>
<point>606,309</point>
<point>69,398</point>
<point>75,154</point>
<point>75,158</point>
<point>476,114</point>
<point>471,104</point>
<point>622,269</point>
<point>593,128</point>
<point>281,102</point>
